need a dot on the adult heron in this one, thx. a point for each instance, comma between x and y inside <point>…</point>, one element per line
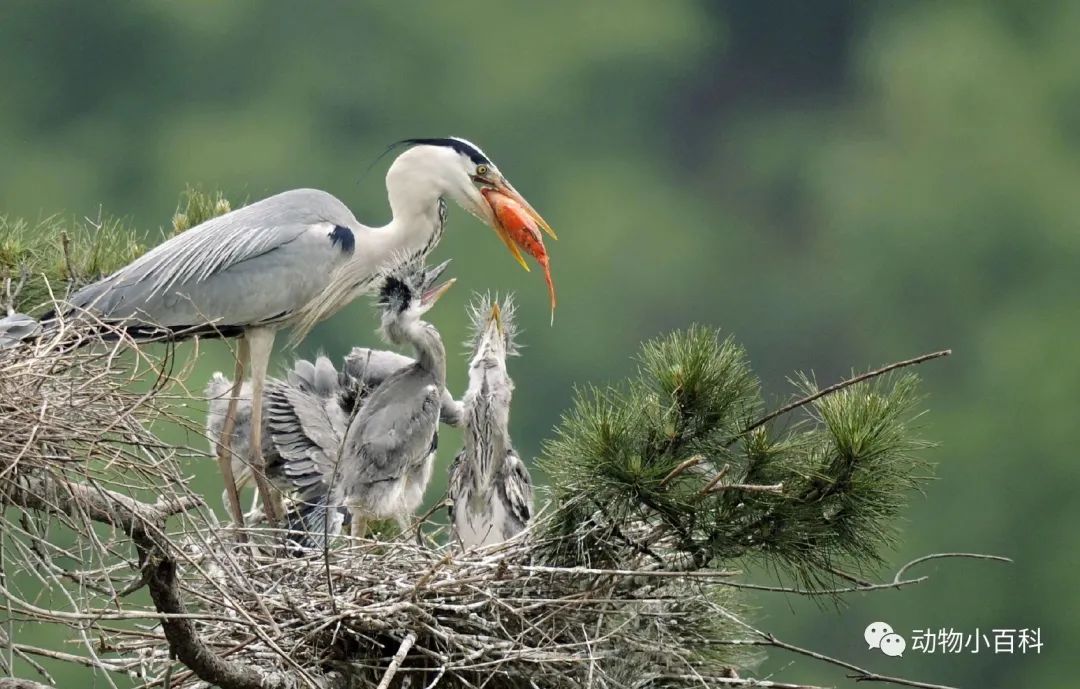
<point>290,260</point>
<point>490,490</point>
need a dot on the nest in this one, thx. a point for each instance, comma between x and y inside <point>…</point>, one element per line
<point>415,611</point>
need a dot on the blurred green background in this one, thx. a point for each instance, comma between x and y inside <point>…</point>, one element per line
<point>838,184</point>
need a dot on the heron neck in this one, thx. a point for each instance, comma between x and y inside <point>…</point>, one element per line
<point>413,232</point>
<point>487,435</point>
<point>418,208</point>
<point>426,342</point>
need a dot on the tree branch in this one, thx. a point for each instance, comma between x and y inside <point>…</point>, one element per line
<point>144,523</point>
<point>835,387</point>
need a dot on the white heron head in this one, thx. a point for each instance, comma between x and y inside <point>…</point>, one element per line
<point>454,168</point>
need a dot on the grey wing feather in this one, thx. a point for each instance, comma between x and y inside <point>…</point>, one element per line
<point>17,327</point>
<point>306,429</point>
<point>516,491</point>
<point>392,430</point>
<point>320,378</point>
<point>373,366</point>
<point>310,523</point>
<point>245,267</point>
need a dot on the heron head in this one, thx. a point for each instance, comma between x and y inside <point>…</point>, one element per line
<point>459,170</point>
<point>408,290</point>
<point>493,333</point>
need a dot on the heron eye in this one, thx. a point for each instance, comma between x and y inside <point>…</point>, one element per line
<point>481,170</point>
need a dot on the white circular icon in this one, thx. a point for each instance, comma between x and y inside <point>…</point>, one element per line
<point>893,645</point>
<point>875,631</point>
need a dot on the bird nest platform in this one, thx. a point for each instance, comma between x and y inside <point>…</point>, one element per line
<point>104,540</point>
<point>112,561</point>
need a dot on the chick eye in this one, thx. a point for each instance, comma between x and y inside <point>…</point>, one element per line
<point>481,170</point>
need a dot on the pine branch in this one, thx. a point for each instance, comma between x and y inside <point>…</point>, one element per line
<point>835,387</point>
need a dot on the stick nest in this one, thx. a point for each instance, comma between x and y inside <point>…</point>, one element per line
<point>94,490</point>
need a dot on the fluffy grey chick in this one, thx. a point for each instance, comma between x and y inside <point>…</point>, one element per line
<point>298,413</point>
<point>491,492</point>
<point>365,369</point>
<point>390,444</point>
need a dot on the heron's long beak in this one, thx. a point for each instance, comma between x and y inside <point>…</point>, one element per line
<point>432,295</point>
<point>504,187</point>
<point>433,274</point>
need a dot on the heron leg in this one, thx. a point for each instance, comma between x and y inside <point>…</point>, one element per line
<point>232,495</point>
<point>260,344</point>
<point>359,524</point>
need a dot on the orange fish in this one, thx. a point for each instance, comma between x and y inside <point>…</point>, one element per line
<point>521,230</point>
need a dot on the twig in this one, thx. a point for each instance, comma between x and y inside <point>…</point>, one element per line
<point>708,487</point>
<point>860,674</point>
<point>683,466</point>
<point>143,522</point>
<point>660,573</point>
<point>741,682</point>
<point>749,487</point>
<point>835,387</point>
<point>861,585</point>
<point>395,662</point>
<point>65,247</point>
<point>938,556</point>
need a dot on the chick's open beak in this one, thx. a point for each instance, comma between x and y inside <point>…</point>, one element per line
<point>432,295</point>
<point>496,319</point>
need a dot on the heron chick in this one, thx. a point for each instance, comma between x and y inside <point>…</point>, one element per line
<point>490,489</point>
<point>390,444</point>
<point>304,421</point>
<point>307,416</point>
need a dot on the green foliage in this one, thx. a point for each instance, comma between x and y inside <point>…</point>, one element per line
<point>670,449</point>
<point>48,258</point>
<point>52,257</point>
<point>197,206</point>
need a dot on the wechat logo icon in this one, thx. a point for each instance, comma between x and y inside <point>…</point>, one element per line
<point>881,636</point>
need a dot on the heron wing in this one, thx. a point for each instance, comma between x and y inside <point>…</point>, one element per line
<point>456,484</point>
<point>372,366</point>
<point>306,431</point>
<point>516,490</point>
<point>251,265</point>
<point>394,429</point>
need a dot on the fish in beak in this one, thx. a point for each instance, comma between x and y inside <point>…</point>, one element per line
<point>519,225</point>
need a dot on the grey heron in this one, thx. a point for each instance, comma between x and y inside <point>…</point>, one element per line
<point>490,489</point>
<point>290,260</point>
<point>305,406</point>
<point>389,449</point>
<point>307,414</point>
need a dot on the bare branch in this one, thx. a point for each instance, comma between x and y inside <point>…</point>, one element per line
<point>395,662</point>
<point>836,387</point>
<point>144,524</point>
<point>683,466</point>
